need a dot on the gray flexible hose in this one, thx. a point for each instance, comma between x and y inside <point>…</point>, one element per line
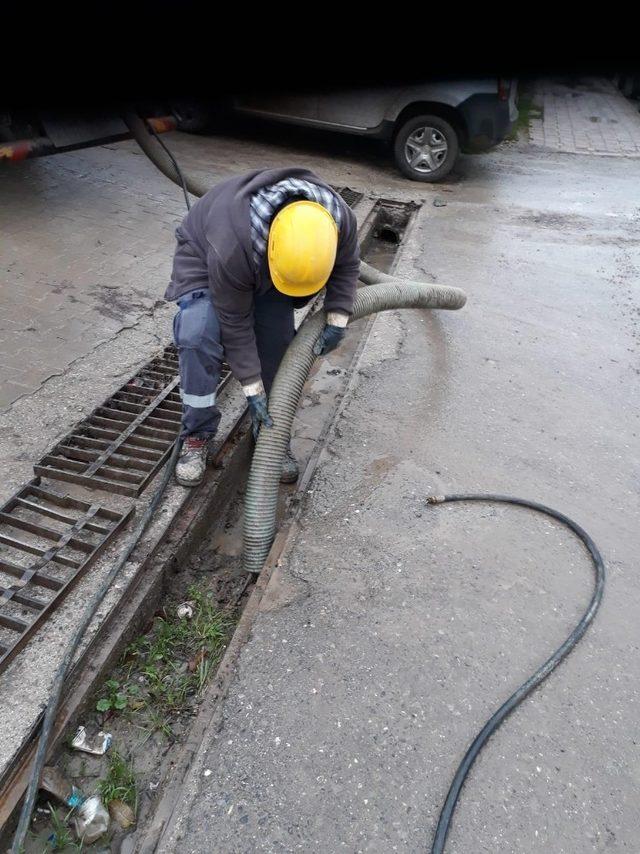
<point>261,495</point>
<point>370,276</point>
<point>384,292</point>
<point>158,156</point>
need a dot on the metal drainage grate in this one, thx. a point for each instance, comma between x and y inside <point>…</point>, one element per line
<point>124,442</point>
<point>74,535</point>
<point>351,197</point>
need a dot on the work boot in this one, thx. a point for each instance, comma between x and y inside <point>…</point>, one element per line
<point>192,461</point>
<point>290,470</point>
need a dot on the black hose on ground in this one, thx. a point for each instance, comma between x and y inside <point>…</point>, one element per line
<point>446,814</point>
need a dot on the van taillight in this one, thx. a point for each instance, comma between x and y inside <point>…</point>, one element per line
<point>503,90</point>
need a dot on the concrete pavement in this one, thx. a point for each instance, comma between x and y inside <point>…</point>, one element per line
<point>393,630</point>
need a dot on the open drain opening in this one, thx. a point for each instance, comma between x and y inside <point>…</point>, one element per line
<point>389,223</point>
<point>389,234</point>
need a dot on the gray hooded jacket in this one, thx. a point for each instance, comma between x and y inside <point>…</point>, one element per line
<point>214,250</point>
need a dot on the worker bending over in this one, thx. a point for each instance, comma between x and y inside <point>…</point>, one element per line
<point>249,251</point>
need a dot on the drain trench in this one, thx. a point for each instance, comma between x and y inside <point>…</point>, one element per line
<point>116,451</point>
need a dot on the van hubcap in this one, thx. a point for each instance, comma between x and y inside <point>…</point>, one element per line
<point>426,149</point>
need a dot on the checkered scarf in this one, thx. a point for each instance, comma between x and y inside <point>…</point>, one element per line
<point>268,200</point>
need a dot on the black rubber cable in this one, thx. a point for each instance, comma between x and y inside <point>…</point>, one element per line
<point>175,165</point>
<point>72,646</point>
<point>446,814</point>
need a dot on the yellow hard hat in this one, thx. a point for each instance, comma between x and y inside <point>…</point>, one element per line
<point>303,241</point>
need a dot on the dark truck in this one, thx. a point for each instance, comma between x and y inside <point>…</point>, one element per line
<point>34,133</point>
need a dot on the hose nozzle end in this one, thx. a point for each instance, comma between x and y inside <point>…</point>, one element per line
<point>435,499</point>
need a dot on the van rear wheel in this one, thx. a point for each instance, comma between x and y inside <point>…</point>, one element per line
<point>426,148</point>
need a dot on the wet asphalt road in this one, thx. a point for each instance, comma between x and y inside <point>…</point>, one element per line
<point>402,627</point>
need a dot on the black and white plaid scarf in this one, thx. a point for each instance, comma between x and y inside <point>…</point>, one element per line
<point>268,200</point>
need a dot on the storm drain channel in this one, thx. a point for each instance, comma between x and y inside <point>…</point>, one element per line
<point>48,540</point>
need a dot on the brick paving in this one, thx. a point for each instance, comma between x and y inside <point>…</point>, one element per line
<point>587,117</point>
<point>87,238</point>
<point>86,245</point>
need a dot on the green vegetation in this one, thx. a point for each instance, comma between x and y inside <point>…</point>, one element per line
<point>114,699</point>
<point>61,838</point>
<point>120,782</point>
<point>527,109</point>
<point>163,672</point>
<point>176,658</point>
<point>159,678</point>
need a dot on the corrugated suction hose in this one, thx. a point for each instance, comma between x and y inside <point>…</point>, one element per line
<point>160,156</point>
<point>261,496</point>
<point>384,292</point>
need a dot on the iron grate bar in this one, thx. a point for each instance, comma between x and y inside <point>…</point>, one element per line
<point>22,546</point>
<point>351,197</point>
<point>27,601</point>
<point>60,517</point>
<point>90,482</point>
<point>125,441</point>
<point>12,623</point>
<point>27,577</point>
<point>66,501</point>
<point>40,578</point>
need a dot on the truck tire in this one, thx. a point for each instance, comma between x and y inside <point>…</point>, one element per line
<point>426,148</point>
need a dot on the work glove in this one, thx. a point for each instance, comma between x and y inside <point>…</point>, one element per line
<point>332,334</point>
<point>257,400</point>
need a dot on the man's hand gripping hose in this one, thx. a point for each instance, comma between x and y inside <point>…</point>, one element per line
<point>332,334</point>
<point>258,407</point>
